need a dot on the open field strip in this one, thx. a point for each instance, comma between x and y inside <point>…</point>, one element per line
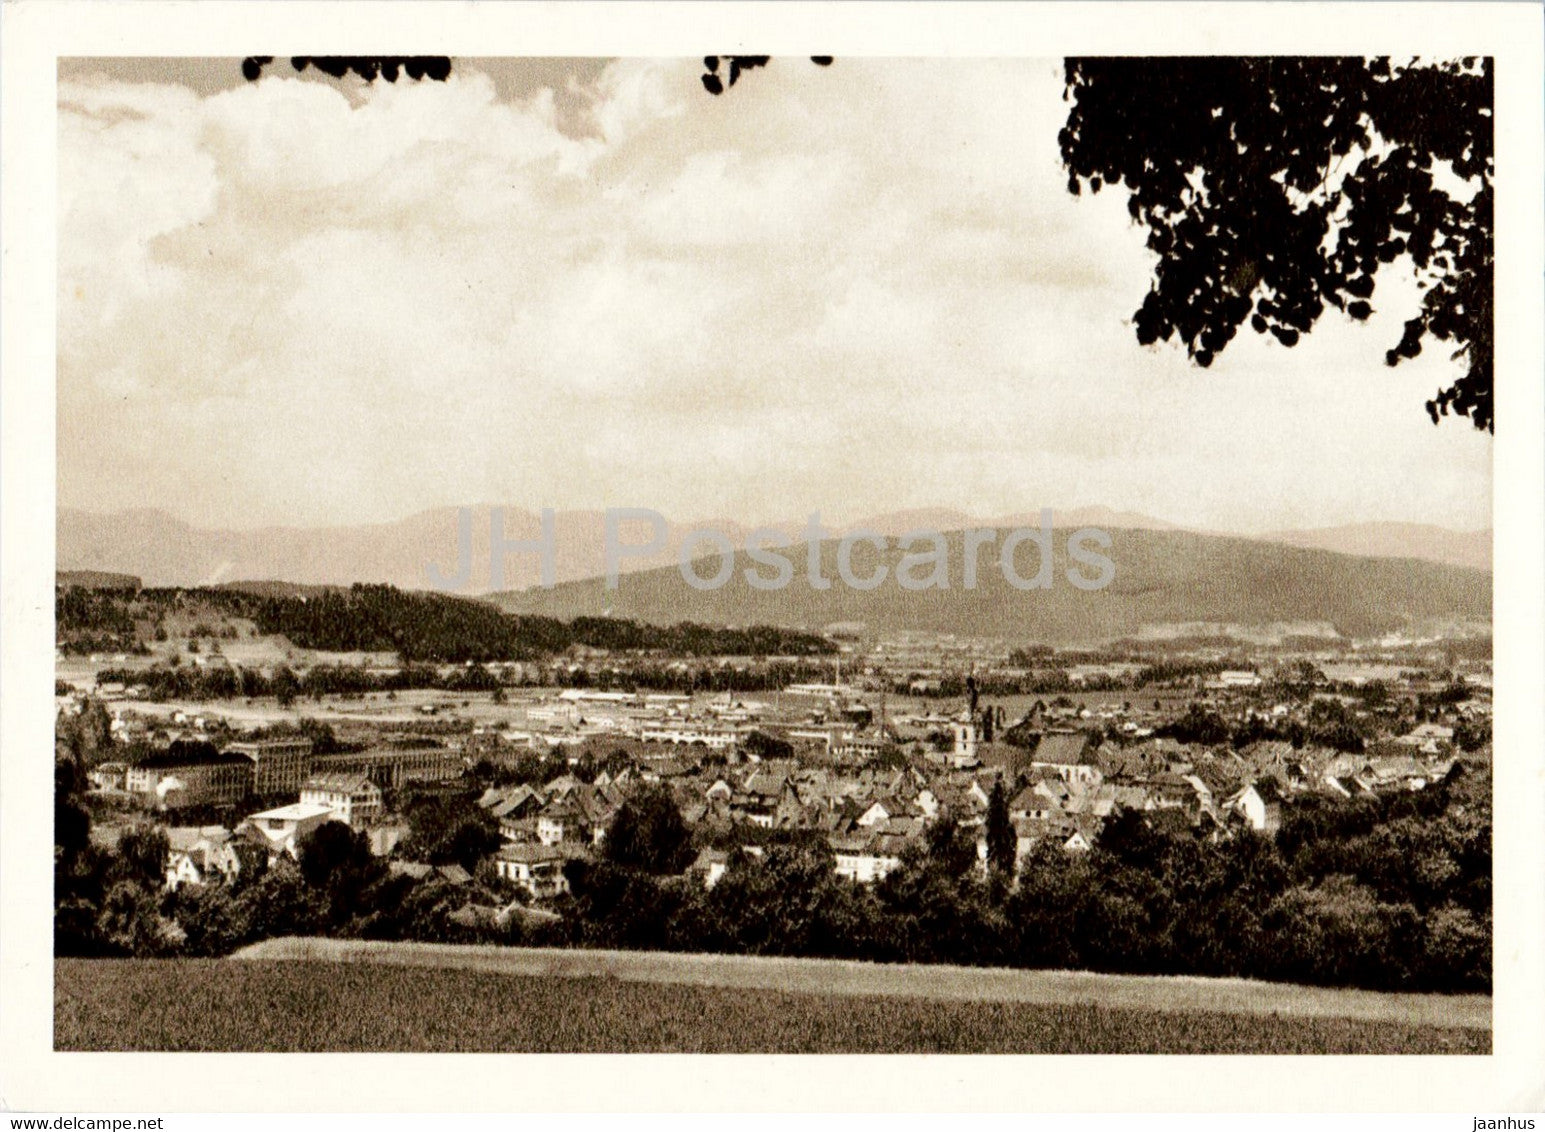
<point>302,1005</point>
<point>932,982</point>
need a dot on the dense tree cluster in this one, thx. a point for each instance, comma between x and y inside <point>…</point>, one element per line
<point>1387,894</point>
<point>421,628</point>
<point>450,831</point>
<point>96,620</point>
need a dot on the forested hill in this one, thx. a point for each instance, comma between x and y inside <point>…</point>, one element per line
<point>419,627</point>
<point>1161,577</point>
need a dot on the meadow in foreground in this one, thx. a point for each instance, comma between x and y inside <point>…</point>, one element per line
<point>302,1006</point>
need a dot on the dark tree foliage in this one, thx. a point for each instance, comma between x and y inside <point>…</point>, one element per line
<point>214,919</point>
<point>336,862</point>
<point>1385,893</point>
<point>788,902</point>
<point>143,851</point>
<point>89,620</point>
<point>623,906</point>
<point>720,72</point>
<point>80,868</point>
<point>434,628</point>
<point>367,67</point>
<point>1002,843</point>
<point>438,67</point>
<point>450,831</point>
<point>949,845</point>
<point>1198,725</point>
<point>761,745</point>
<point>648,833</point>
<point>1275,187</point>
<point>330,851</point>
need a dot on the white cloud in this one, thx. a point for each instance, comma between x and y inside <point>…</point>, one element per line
<point>856,288</point>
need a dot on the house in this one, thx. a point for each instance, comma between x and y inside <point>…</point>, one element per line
<point>417,870</point>
<point>1067,754</point>
<point>1130,797</point>
<point>353,798</point>
<point>1139,762</point>
<point>1202,798</point>
<point>1033,804</point>
<point>1259,805</point>
<point>522,831</point>
<point>928,803</point>
<point>538,869</point>
<point>710,866</point>
<point>1336,787</point>
<point>581,814</point>
<point>519,802</point>
<point>666,770</point>
<point>1391,774</point>
<point>978,795</point>
<point>1079,841</point>
<point>281,830</point>
<point>866,857</point>
<point>1099,802</point>
<point>758,798</point>
<point>384,838</point>
<point>562,786</point>
<point>1006,758</point>
<point>557,822</point>
<point>108,777</point>
<point>1174,791</point>
<point>792,811</point>
<point>200,855</point>
<point>880,812</point>
<point>1429,738</point>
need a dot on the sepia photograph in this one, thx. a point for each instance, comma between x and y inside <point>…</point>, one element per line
<point>779,554</point>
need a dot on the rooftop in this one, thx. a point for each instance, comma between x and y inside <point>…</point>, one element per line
<point>295,811</point>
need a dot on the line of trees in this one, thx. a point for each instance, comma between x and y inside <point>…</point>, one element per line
<point>427,628</point>
<point>192,683</point>
<point>1390,894</point>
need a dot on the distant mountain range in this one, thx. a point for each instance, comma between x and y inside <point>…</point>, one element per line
<point>166,551</point>
<point>1162,577</point>
<point>1362,578</point>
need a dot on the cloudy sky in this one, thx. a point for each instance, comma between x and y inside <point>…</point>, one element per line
<point>580,284</point>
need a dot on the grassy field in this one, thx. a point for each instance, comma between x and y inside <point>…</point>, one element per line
<point>301,1005</point>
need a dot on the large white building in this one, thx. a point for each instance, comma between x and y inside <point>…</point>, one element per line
<point>353,798</point>
<point>281,830</point>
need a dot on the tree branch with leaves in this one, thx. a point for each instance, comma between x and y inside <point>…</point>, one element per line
<point>1273,188</point>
